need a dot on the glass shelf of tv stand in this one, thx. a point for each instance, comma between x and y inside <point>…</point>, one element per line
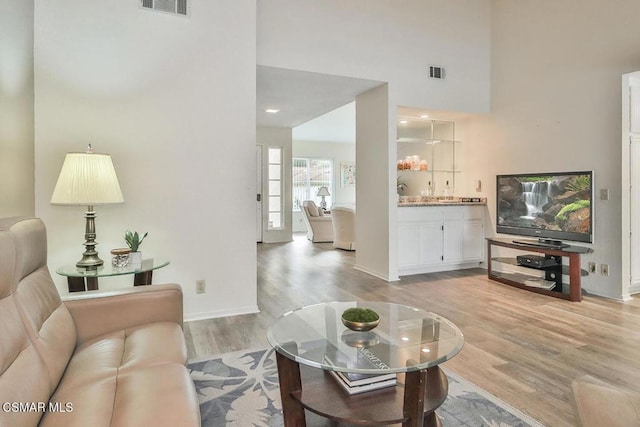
<point>514,262</point>
<point>533,244</point>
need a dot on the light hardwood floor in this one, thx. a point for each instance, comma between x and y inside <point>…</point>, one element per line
<point>523,347</point>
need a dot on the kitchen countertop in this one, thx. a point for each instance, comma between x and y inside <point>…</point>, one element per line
<point>458,201</point>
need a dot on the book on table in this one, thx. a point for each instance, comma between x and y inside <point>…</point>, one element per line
<point>356,382</point>
<point>376,385</point>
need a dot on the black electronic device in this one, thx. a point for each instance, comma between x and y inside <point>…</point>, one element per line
<point>537,261</point>
<point>550,264</point>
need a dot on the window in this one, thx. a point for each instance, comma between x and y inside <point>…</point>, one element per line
<point>275,188</point>
<point>308,176</point>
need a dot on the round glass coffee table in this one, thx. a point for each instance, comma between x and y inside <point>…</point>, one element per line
<point>312,341</point>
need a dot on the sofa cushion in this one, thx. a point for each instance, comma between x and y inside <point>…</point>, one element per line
<point>157,395</point>
<point>38,335</point>
<point>99,380</point>
<point>21,367</point>
<point>141,346</point>
<point>312,209</point>
<point>47,321</point>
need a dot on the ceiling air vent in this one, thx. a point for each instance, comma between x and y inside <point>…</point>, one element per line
<point>171,6</point>
<point>436,72</point>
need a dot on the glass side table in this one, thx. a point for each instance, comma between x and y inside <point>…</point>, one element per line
<point>80,279</point>
<point>410,342</point>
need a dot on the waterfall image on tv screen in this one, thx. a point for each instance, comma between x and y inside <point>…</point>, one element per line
<point>546,205</point>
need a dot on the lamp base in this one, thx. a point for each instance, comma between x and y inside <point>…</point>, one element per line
<point>90,262</point>
<point>90,259</point>
<point>323,204</point>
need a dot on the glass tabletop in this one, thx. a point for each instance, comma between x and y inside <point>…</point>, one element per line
<point>107,269</point>
<point>406,339</point>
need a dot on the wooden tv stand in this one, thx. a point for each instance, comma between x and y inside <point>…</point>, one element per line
<point>514,279</point>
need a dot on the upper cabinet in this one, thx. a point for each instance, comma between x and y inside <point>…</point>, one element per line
<point>427,157</point>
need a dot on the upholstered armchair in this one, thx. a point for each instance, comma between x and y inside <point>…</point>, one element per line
<point>344,228</point>
<point>319,227</point>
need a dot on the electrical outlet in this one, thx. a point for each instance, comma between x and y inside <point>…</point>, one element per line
<point>604,194</point>
<point>592,267</point>
<point>604,269</point>
<point>200,287</point>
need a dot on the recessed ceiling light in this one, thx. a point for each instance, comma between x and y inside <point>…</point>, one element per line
<point>271,110</point>
<point>405,338</point>
<point>426,350</point>
<point>424,116</point>
<point>403,122</point>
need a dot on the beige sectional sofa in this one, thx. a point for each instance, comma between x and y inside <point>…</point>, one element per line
<point>113,359</point>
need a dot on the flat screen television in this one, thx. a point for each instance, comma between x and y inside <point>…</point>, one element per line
<point>550,206</point>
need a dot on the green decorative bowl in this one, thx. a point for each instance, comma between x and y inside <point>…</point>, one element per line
<point>360,319</point>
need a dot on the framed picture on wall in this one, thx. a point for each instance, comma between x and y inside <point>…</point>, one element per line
<point>347,174</point>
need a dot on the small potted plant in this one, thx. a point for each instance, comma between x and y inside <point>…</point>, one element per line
<point>360,319</point>
<point>134,241</point>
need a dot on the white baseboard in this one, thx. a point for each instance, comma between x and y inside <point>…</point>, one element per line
<point>377,274</point>
<point>221,313</point>
<point>407,271</point>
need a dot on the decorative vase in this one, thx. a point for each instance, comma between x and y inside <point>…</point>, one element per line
<point>360,326</point>
<point>135,259</point>
<point>120,257</point>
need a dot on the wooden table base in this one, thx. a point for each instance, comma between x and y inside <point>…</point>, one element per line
<point>412,404</point>
<point>81,284</point>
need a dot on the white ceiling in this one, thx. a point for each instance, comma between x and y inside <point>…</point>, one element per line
<point>338,125</point>
<point>319,107</point>
<point>302,96</point>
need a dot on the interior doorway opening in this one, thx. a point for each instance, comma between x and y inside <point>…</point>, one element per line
<point>630,184</point>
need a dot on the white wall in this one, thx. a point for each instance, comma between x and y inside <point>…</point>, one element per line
<point>388,42</point>
<point>556,105</point>
<point>172,99</point>
<point>269,137</point>
<point>376,216</point>
<point>381,41</point>
<point>16,108</point>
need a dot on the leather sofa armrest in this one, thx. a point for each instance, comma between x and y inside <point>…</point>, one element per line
<point>96,313</point>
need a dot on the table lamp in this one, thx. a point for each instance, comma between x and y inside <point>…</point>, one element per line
<point>322,192</point>
<point>87,179</point>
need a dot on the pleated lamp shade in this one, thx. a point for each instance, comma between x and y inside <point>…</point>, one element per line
<point>323,191</point>
<point>87,179</point>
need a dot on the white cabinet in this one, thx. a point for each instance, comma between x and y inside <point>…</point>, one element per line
<point>440,238</point>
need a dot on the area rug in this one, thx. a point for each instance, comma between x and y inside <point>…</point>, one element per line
<point>241,389</point>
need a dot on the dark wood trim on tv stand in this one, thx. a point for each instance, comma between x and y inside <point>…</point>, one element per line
<point>575,272</point>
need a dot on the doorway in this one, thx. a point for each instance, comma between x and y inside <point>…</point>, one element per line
<point>630,184</point>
